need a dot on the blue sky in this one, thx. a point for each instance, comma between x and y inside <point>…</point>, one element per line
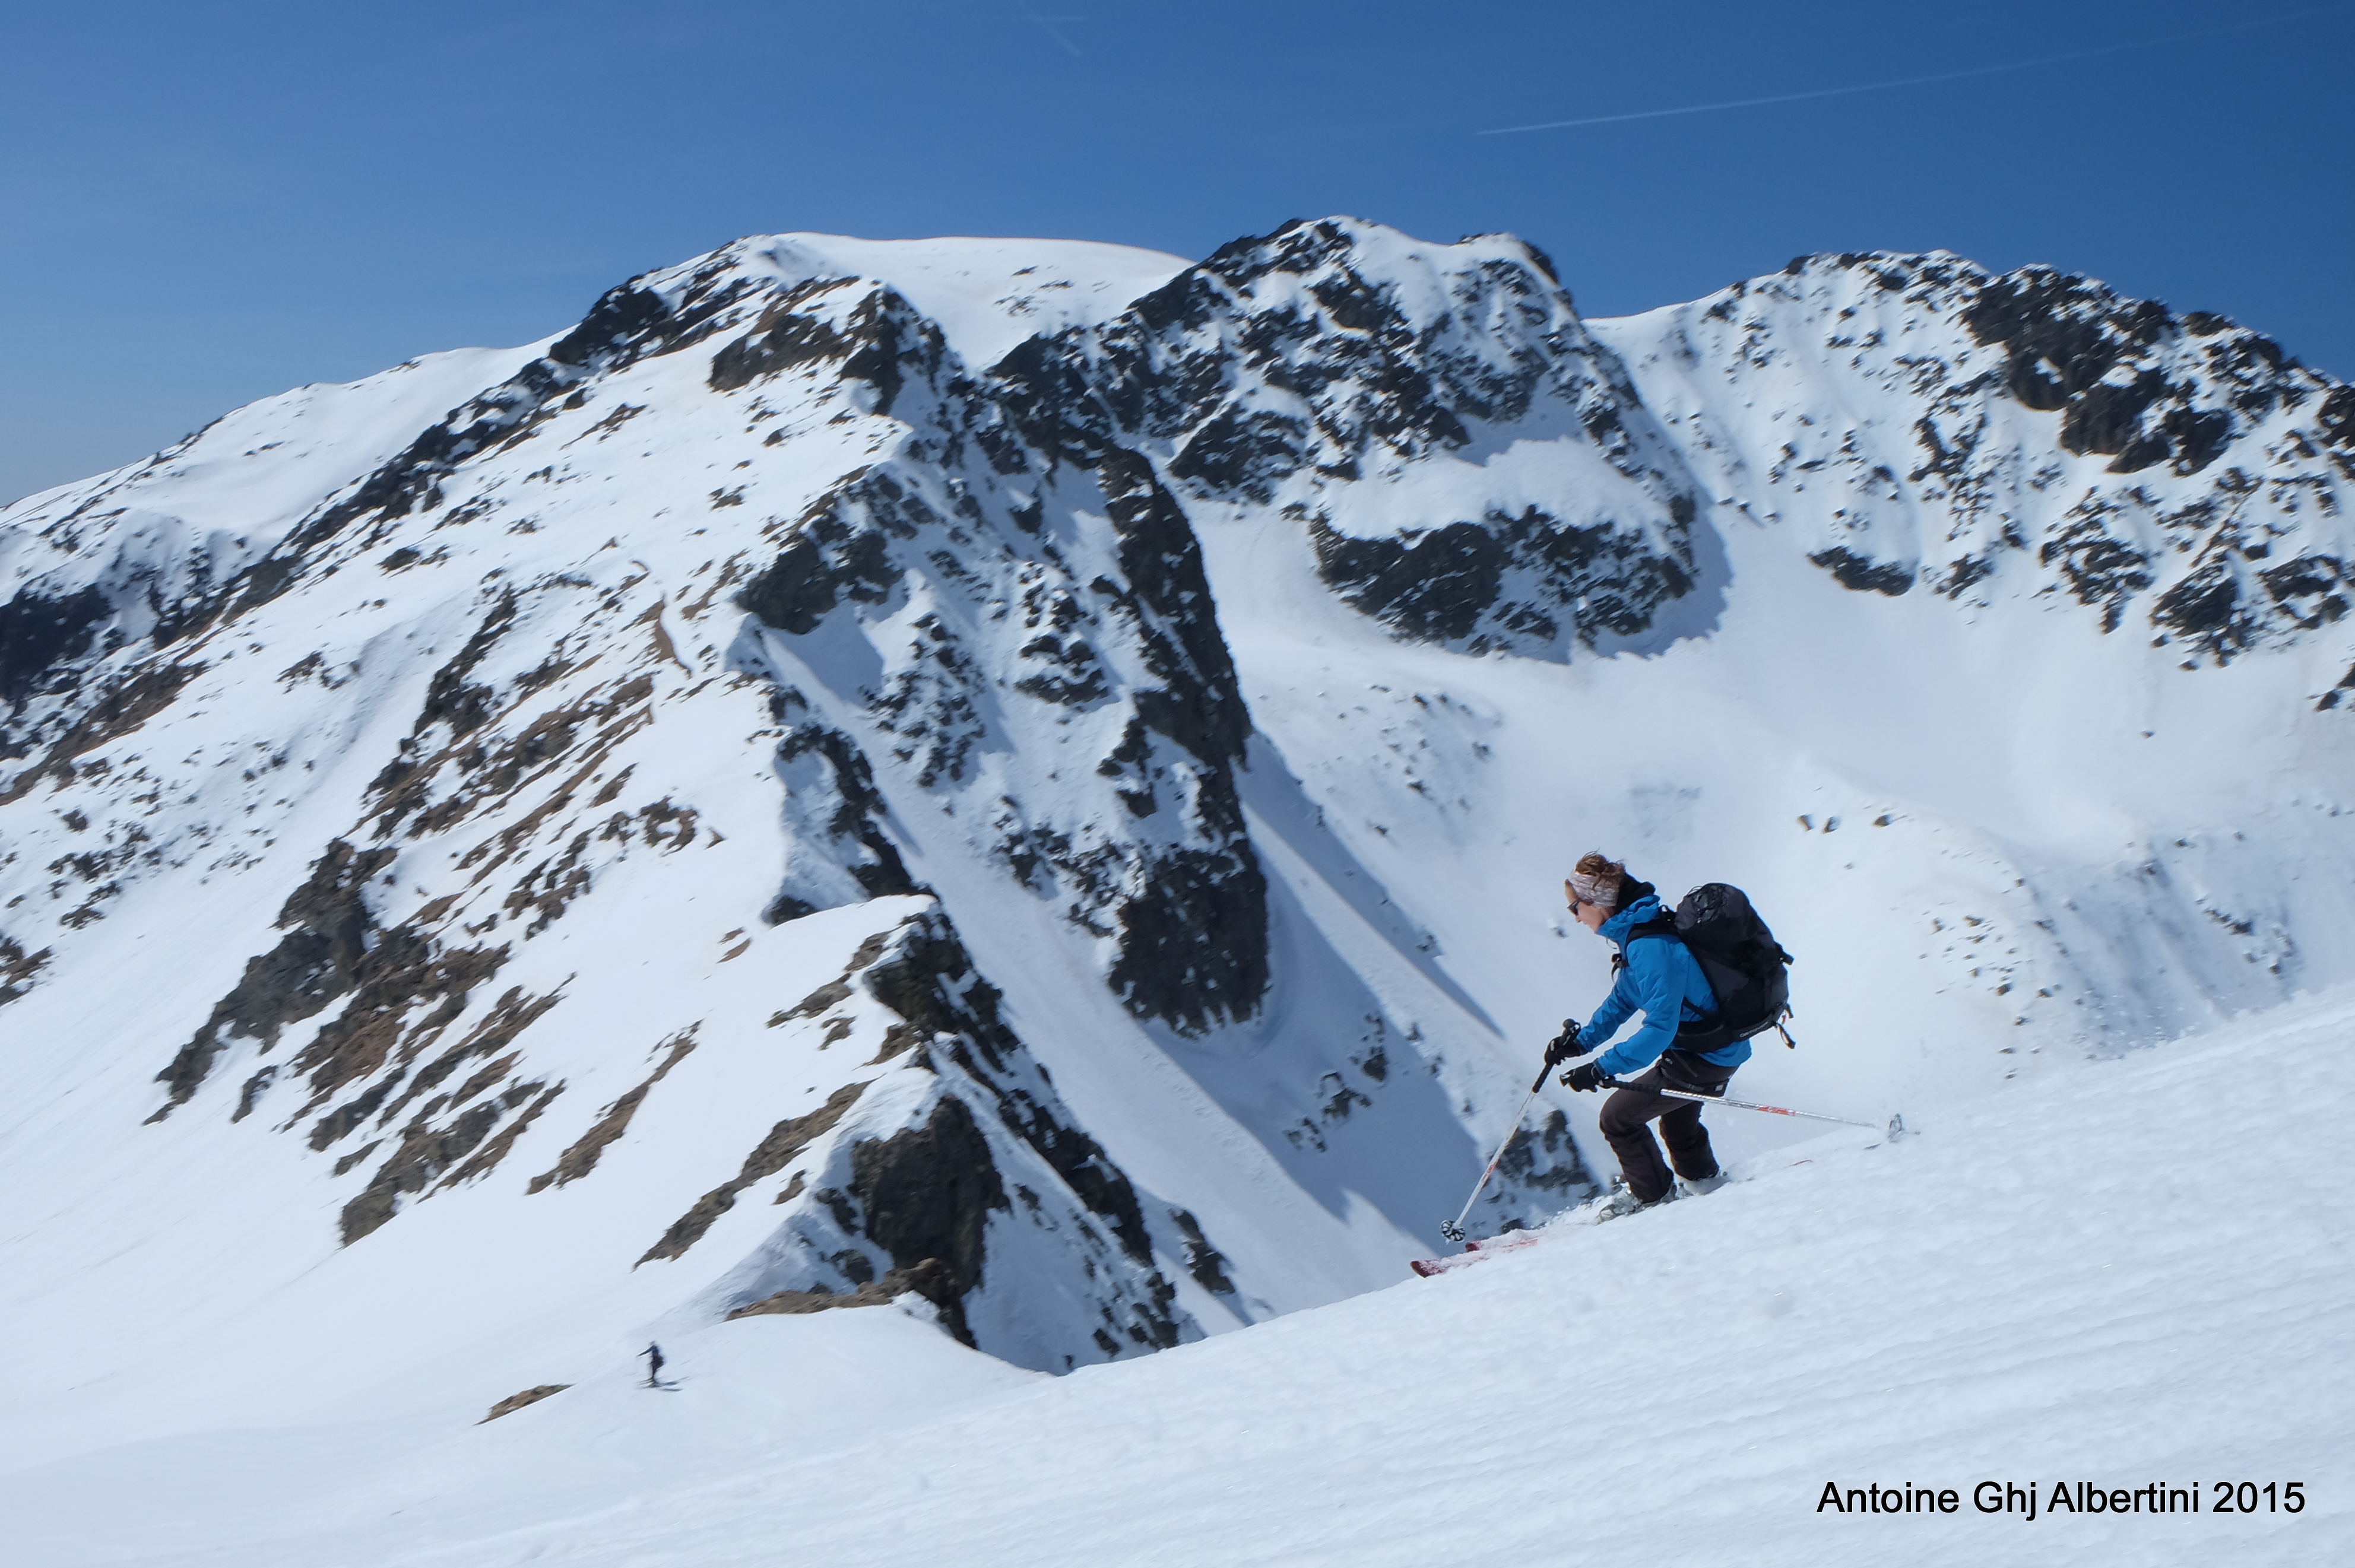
<point>208,204</point>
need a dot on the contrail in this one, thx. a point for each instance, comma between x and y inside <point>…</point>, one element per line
<point>1047,25</point>
<point>1917,80</point>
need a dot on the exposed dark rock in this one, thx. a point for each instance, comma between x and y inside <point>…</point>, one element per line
<point>2311,588</point>
<point>1193,941</point>
<point>359,1156</point>
<point>628,323</point>
<point>493,767</point>
<point>413,480</point>
<point>1073,676</point>
<point>820,764</point>
<point>1179,366</point>
<point>251,1095</point>
<point>2063,333</point>
<point>425,1153</point>
<point>1083,1164</point>
<point>1436,588</point>
<point>121,708</point>
<point>326,921</point>
<point>842,550</point>
<point>2072,345</point>
<point>1199,705</point>
<point>829,559</point>
<point>928,703</point>
<point>351,1113</point>
<point>2107,418</point>
<point>508,1017</point>
<point>929,980</point>
<point>622,318</point>
<point>837,990</point>
<point>448,698</point>
<point>2205,607</point>
<point>515,1402</point>
<point>930,1278</point>
<point>888,339</point>
<point>489,1155</point>
<point>781,339</point>
<point>2126,381</point>
<point>39,633</point>
<point>1547,1160</point>
<point>1053,398</point>
<point>926,976</point>
<point>925,1193</point>
<point>403,974</point>
<point>1150,1323</point>
<point>1242,451</point>
<point>188,615</point>
<point>1446,584</point>
<point>772,1154</point>
<point>1339,1098</point>
<point>17,969</point>
<point>2197,437</point>
<point>1862,574</point>
<point>581,1157</point>
<point>2100,569</point>
<point>2336,417</point>
<point>1206,1263</point>
<point>1962,574</point>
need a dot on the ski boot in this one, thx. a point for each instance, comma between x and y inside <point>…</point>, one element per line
<point>1621,1202</point>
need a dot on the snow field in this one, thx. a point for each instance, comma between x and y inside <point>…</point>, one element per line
<point>2049,1284</point>
<point>1990,830</point>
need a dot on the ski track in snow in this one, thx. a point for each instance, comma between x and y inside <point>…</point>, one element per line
<point>2052,1282</point>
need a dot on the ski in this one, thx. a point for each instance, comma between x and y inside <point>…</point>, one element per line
<point>1474,1252</point>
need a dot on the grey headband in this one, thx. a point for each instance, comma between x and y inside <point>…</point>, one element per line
<point>1599,891</point>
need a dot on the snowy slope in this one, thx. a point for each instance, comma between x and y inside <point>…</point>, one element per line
<point>2020,1292</point>
<point>1039,774</point>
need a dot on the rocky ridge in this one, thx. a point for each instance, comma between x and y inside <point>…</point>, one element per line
<point>2175,473</point>
<point>582,744</point>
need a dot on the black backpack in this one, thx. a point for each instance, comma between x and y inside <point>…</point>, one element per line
<point>1745,967</point>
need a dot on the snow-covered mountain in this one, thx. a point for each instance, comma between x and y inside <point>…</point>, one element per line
<point>1038,775</point>
<point>2017,1299</point>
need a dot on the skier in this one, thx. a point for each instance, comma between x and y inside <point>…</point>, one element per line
<point>652,1353</point>
<point>1659,977</point>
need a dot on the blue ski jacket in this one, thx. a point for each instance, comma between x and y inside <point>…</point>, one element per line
<point>1664,981</point>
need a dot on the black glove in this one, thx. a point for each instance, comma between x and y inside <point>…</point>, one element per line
<point>1564,1046</point>
<point>1585,1077</point>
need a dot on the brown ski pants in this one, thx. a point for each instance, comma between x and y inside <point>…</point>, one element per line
<point>1625,1118</point>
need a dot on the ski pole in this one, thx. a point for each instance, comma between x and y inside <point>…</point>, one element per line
<point>1454,1229</point>
<point>1896,1127</point>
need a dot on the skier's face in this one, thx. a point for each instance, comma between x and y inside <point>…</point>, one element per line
<point>1590,915</point>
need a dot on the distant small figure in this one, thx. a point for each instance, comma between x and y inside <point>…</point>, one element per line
<point>652,1353</point>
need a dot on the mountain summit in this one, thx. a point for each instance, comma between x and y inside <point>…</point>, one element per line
<point>1036,775</point>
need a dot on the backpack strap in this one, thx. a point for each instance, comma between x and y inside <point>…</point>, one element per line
<point>1663,923</point>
